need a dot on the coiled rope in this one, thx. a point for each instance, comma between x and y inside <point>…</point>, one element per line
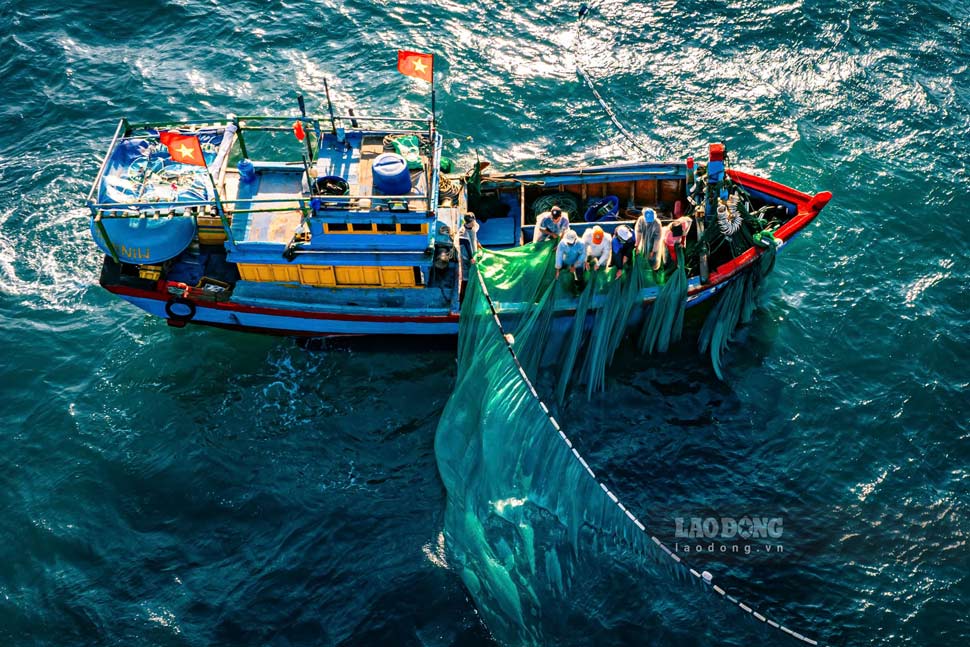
<point>729,220</point>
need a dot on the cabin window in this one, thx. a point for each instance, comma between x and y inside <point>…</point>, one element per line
<point>371,228</point>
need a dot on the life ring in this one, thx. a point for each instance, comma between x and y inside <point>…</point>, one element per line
<point>182,302</point>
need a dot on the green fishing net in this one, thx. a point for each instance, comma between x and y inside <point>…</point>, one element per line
<point>523,516</point>
<point>408,147</point>
<point>665,323</point>
<point>537,538</point>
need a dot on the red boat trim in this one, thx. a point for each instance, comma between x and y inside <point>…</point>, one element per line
<point>299,314</point>
<point>807,208</point>
<point>770,187</point>
<point>279,332</point>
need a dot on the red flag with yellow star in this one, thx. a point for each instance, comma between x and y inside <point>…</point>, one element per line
<point>415,64</point>
<point>182,148</point>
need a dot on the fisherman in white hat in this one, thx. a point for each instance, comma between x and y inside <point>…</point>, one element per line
<point>624,242</point>
<point>570,253</point>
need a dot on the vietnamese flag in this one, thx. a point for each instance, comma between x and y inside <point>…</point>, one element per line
<point>415,64</point>
<point>183,148</point>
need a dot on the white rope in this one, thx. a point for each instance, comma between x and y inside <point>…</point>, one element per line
<point>705,576</point>
<point>583,12</point>
<point>729,220</point>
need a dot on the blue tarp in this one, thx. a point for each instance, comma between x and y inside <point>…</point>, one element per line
<point>140,170</point>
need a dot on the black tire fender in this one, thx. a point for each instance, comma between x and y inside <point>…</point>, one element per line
<point>180,316</point>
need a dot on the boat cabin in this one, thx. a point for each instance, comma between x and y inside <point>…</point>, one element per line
<point>320,213</point>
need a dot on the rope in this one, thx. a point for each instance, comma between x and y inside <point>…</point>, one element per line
<point>448,188</point>
<point>583,12</point>
<point>566,201</point>
<point>704,577</point>
<point>728,218</point>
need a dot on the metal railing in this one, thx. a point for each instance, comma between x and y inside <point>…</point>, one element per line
<point>126,210</point>
<point>266,123</point>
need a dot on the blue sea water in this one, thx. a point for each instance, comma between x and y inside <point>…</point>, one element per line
<point>202,487</point>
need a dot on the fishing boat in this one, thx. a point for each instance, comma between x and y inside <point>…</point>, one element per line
<point>353,225</point>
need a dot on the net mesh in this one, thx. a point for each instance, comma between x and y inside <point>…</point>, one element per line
<point>528,524</point>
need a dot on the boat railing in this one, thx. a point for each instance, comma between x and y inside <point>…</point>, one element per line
<point>142,208</point>
<point>122,126</point>
<point>256,123</point>
<point>340,207</point>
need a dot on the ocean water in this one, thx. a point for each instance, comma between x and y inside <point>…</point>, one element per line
<point>203,487</point>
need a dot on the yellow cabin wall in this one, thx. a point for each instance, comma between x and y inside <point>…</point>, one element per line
<point>330,276</point>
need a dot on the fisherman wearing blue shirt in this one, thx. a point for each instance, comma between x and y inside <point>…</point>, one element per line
<point>624,242</point>
<point>571,254</point>
<point>550,224</point>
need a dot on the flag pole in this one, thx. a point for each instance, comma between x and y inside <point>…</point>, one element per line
<point>309,149</point>
<point>430,168</point>
<point>333,121</point>
<point>433,115</point>
<point>215,193</point>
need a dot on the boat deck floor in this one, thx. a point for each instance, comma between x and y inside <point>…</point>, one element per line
<point>276,216</point>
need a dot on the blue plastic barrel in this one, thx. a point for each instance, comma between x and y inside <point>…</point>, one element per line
<point>391,174</point>
<point>247,172</point>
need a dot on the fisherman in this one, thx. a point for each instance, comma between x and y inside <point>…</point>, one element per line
<point>551,224</point>
<point>599,247</point>
<point>675,233</point>
<point>624,242</point>
<point>649,238</point>
<point>571,254</point>
<point>470,229</point>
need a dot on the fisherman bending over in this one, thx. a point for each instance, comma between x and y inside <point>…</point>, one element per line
<point>599,247</point>
<point>551,224</point>
<point>649,236</point>
<point>624,242</point>
<point>674,236</point>
<point>571,254</point>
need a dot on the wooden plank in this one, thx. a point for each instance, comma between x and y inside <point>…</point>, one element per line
<point>370,147</point>
<point>647,193</point>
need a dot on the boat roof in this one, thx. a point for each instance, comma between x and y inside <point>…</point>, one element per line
<point>138,174</point>
<point>625,171</point>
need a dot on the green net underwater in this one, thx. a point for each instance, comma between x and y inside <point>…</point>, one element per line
<point>538,539</point>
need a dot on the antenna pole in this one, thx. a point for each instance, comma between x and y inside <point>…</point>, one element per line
<point>306,139</point>
<point>333,122</point>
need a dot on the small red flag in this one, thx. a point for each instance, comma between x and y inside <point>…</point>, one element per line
<point>298,131</point>
<point>415,64</point>
<point>185,149</point>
